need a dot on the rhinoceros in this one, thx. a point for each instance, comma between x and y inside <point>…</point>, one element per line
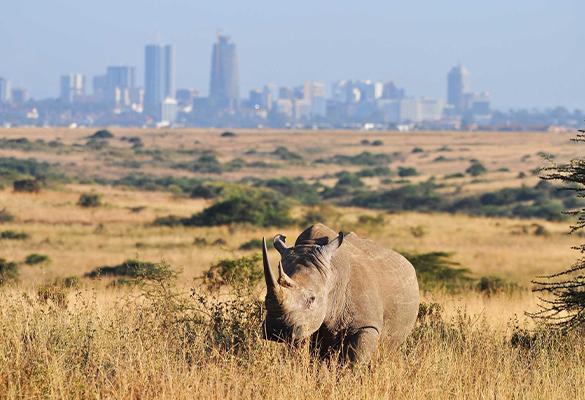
<point>340,292</point>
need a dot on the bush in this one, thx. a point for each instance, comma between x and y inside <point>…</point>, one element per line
<point>5,216</point>
<point>364,158</point>
<point>285,154</point>
<point>376,171</point>
<point>303,192</point>
<point>8,271</point>
<point>102,134</point>
<point>14,235</point>
<point>89,200</point>
<point>260,208</point>
<point>404,172</point>
<point>129,268</point>
<point>417,150</point>
<point>435,269</point>
<point>169,220</point>
<point>35,258</point>
<point>243,271</point>
<point>476,169</point>
<point>228,134</point>
<point>324,214</point>
<point>377,143</point>
<point>27,185</point>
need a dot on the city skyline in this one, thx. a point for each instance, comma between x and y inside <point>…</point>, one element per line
<point>523,53</point>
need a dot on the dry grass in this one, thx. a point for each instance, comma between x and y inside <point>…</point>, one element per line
<point>114,343</point>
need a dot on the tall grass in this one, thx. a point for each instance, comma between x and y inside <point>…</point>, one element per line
<point>158,340</point>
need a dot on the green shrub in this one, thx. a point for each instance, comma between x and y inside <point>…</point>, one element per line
<point>102,134</point>
<point>169,220</point>
<point>228,134</point>
<point>6,216</point>
<point>254,244</point>
<point>476,169</point>
<point>435,269</point>
<point>491,285</point>
<point>260,208</point>
<point>297,189</point>
<point>31,167</point>
<point>12,235</point>
<point>243,271</point>
<point>377,143</point>
<point>364,158</point>
<point>97,145</point>
<point>376,171</point>
<point>89,200</point>
<point>325,214</point>
<point>27,185</point>
<point>8,271</point>
<point>35,258</point>
<point>285,154</point>
<point>404,172</point>
<point>417,150</point>
<point>129,268</point>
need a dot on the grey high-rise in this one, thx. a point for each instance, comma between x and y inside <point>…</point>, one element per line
<point>4,90</point>
<point>119,80</point>
<point>458,83</point>
<point>224,88</point>
<point>159,74</point>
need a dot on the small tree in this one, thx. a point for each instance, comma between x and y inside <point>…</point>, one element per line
<point>566,307</point>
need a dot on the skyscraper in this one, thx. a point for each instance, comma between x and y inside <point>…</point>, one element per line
<point>4,90</point>
<point>224,88</point>
<point>119,81</point>
<point>458,83</point>
<point>72,85</point>
<point>159,76</point>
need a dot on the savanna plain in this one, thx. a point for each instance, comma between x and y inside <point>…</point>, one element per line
<point>130,267</point>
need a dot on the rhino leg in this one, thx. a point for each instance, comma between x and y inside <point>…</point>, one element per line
<point>359,347</point>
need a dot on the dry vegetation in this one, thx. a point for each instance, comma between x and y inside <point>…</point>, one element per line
<point>88,338</point>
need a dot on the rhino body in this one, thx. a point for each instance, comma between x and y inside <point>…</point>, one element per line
<point>340,292</point>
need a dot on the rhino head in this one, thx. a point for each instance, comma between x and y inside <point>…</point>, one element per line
<point>297,302</point>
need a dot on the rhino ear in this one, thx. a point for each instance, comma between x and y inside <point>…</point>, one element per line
<point>279,245</point>
<point>330,248</point>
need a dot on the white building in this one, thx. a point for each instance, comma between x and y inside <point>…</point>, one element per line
<point>4,90</point>
<point>285,106</point>
<point>411,110</point>
<point>169,109</point>
<point>72,85</point>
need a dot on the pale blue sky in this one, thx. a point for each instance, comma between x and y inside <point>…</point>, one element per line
<point>525,52</point>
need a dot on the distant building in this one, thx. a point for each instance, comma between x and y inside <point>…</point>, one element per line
<point>339,91</point>
<point>285,93</point>
<point>316,94</point>
<point>4,90</point>
<point>169,109</point>
<point>285,106</point>
<point>411,110</point>
<point>392,92</point>
<point>185,96</point>
<point>159,74</point>
<point>224,87</point>
<point>72,85</point>
<point>458,84</point>
<point>19,95</point>
<point>120,80</point>
<point>99,85</point>
<point>480,105</point>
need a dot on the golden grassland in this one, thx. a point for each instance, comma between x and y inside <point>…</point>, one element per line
<point>128,343</point>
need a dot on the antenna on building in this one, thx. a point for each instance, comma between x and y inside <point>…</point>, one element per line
<point>156,34</point>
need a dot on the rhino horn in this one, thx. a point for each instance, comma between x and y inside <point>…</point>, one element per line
<point>271,283</point>
<point>283,279</point>
<point>278,243</point>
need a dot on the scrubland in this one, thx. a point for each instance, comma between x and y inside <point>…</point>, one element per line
<point>163,335</point>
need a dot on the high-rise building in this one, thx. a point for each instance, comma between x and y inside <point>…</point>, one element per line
<point>100,84</point>
<point>168,111</point>
<point>391,91</point>
<point>224,88</point>
<point>4,90</point>
<point>315,93</point>
<point>72,85</point>
<point>458,83</point>
<point>159,74</point>
<point>120,80</point>
<point>19,95</point>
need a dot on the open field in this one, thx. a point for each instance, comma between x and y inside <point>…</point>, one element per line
<point>122,341</point>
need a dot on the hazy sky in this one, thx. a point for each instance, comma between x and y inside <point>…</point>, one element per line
<point>525,52</point>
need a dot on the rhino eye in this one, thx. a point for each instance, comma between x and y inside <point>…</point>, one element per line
<point>310,301</point>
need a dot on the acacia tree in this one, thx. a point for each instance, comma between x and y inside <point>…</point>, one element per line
<point>565,307</point>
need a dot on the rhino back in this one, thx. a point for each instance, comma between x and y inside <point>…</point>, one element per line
<point>383,289</point>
